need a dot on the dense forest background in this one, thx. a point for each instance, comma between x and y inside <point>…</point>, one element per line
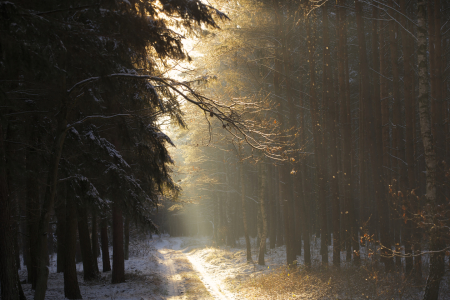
<point>296,121</point>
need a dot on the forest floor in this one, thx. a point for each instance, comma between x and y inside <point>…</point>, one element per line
<point>189,268</point>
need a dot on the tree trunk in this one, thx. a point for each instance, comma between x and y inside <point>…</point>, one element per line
<point>398,148</point>
<point>436,243</point>
<point>105,246</point>
<point>409,137</point>
<point>127,238</point>
<point>10,285</point>
<point>272,209</point>
<point>328,100</point>
<point>244,214</point>
<point>89,269</point>
<point>48,203</point>
<point>71,288</point>
<point>60,231</point>
<point>32,203</point>
<point>94,237</point>
<point>318,145</point>
<point>118,269</point>
<point>262,246</point>
<point>376,164</point>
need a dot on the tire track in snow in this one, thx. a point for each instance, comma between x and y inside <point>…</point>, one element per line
<point>175,290</point>
<point>212,286</point>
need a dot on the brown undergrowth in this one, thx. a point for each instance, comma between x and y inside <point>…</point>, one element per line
<point>331,283</point>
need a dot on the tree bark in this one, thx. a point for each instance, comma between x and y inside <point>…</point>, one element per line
<point>127,238</point>
<point>71,288</point>
<point>318,144</point>
<point>105,246</point>
<point>328,98</point>
<point>375,158</point>
<point>437,255</point>
<point>89,269</point>
<point>10,285</point>
<point>48,203</point>
<point>244,214</point>
<point>262,246</point>
<point>60,232</point>
<point>118,269</point>
<point>409,137</point>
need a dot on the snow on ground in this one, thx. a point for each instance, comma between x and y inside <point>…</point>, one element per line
<point>179,268</point>
<point>143,281</point>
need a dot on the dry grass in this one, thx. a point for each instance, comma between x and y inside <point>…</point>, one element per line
<point>347,283</point>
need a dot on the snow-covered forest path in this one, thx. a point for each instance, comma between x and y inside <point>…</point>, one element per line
<point>167,254</point>
<point>172,262</point>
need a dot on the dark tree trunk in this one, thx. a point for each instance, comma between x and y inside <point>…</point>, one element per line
<point>89,269</point>
<point>48,203</point>
<point>71,288</point>
<point>126,246</point>
<point>10,285</point>
<point>409,138</point>
<point>105,246</point>
<point>60,233</point>
<point>118,271</point>
<point>32,204</point>
<point>95,246</point>
<point>376,164</point>
<point>318,145</point>
<point>328,99</point>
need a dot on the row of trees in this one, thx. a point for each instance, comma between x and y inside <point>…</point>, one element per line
<point>82,96</point>
<point>356,92</point>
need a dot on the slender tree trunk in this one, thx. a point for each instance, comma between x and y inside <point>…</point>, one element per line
<point>436,243</point>
<point>105,246</point>
<point>244,214</point>
<point>328,98</point>
<point>317,133</point>
<point>47,205</point>
<point>60,231</point>
<point>397,134</point>
<point>71,288</point>
<point>345,125</point>
<point>89,269</point>
<point>305,190</point>
<point>374,155</point>
<point>94,237</point>
<point>262,246</point>
<point>409,137</point>
<point>272,209</point>
<point>32,202</point>
<point>118,270</point>
<point>127,238</point>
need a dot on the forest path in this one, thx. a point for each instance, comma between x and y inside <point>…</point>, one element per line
<point>167,254</point>
<point>172,257</point>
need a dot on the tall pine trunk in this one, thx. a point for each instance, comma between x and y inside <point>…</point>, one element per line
<point>329,101</point>
<point>318,144</point>
<point>262,194</point>
<point>437,255</point>
<point>71,288</point>
<point>105,246</point>
<point>118,269</point>
<point>375,158</point>
<point>89,261</point>
<point>244,213</point>
<point>10,285</point>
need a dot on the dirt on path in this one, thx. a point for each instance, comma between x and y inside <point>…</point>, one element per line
<point>183,279</point>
